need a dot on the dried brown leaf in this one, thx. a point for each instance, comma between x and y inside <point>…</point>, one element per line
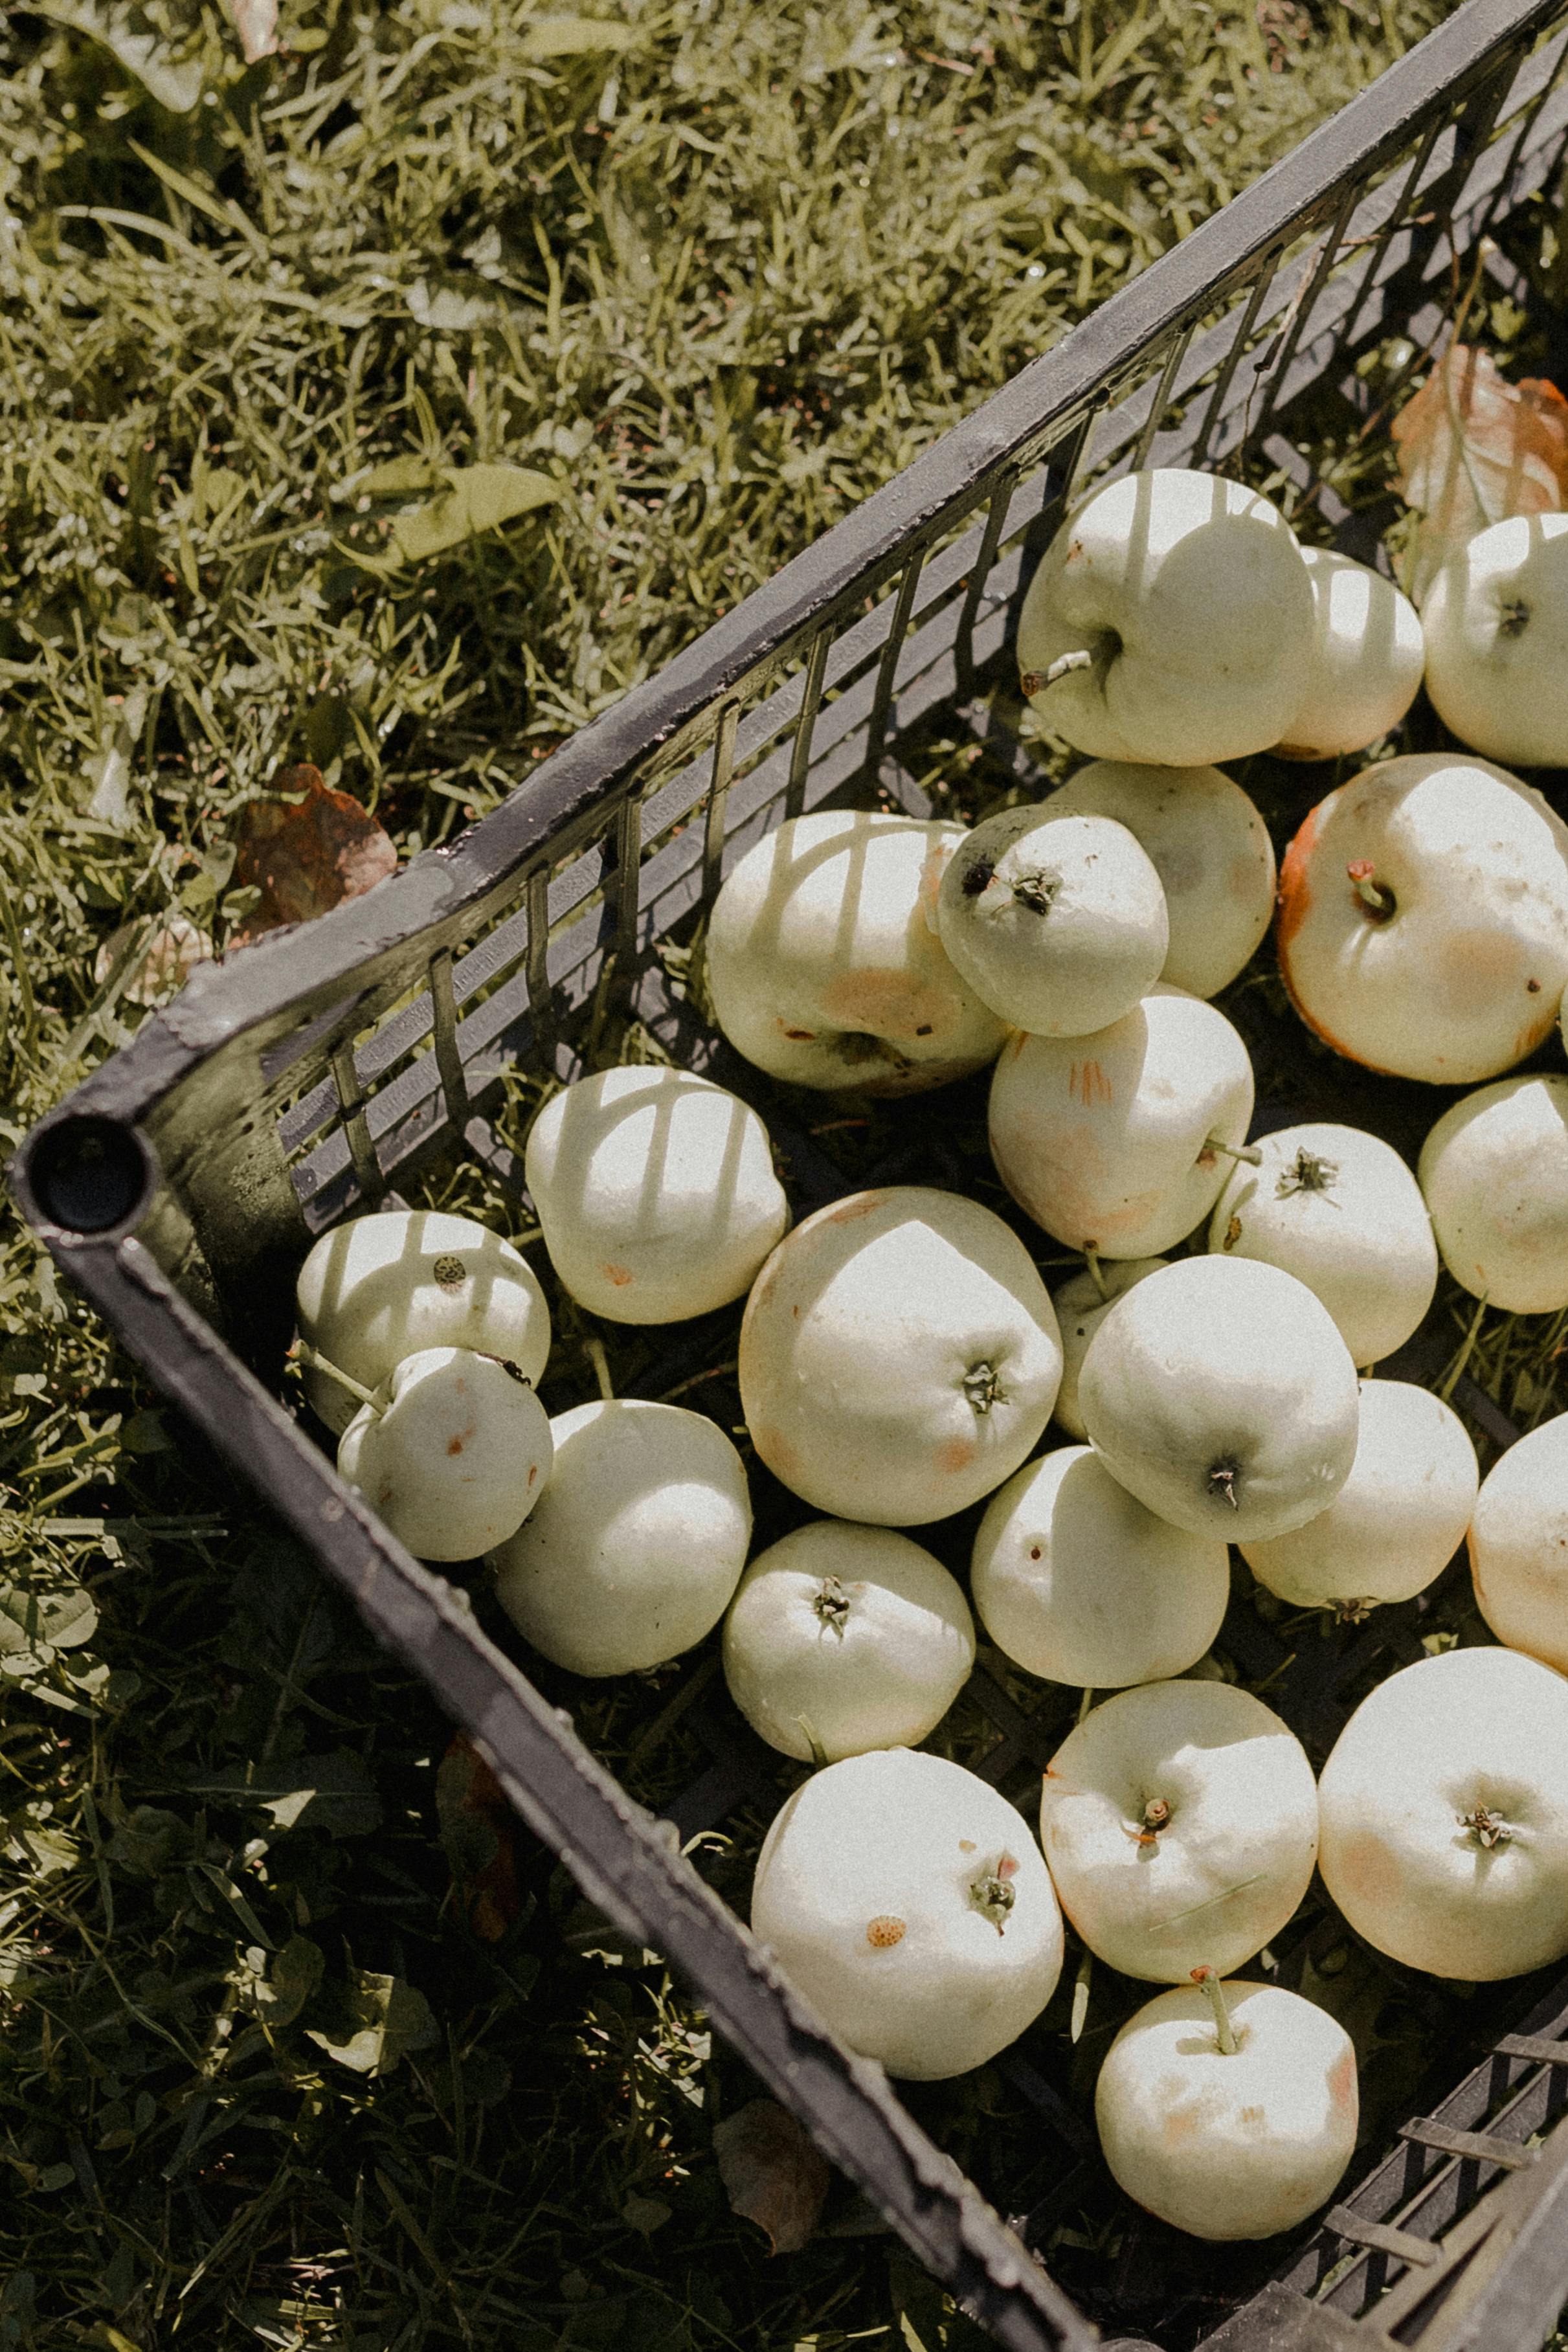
<point>771,2173</point>
<point>307,852</point>
<point>1473,449</point>
<point>477,1828</point>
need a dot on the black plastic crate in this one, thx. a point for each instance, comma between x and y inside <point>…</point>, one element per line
<point>181,1186</point>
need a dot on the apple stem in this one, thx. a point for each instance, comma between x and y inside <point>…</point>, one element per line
<point>1377,900</point>
<point>1156,1814</point>
<point>1247,1151</point>
<point>1091,1259</point>
<point>818,1753</point>
<point>1208,1984</point>
<point>1086,1702</point>
<point>320,1363</point>
<point>1035,681</point>
<point>601,1363</point>
<point>1080,1995</point>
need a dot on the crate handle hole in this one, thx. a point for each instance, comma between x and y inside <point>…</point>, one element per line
<point>89,1174</point>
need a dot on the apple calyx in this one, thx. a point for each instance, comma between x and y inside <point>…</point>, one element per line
<point>1306,1174</point>
<point>1036,889</point>
<point>1352,1612</point>
<point>1375,896</point>
<point>376,1399</point>
<point>450,1272</point>
<point>1208,1983</point>
<point>1245,1152</point>
<point>993,1893</point>
<point>831,1603</point>
<point>1487,1825</point>
<point>1514,619</point>
<point>981,1384</point>
<point>1222,1480</point>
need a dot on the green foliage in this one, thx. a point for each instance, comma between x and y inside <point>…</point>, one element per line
<point>396,404</point>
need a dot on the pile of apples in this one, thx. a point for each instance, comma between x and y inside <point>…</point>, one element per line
<point>900,1356</point>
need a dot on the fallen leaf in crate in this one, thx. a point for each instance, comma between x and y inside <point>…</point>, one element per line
<point>1473,449</point>
<point>256,22</point>
<point>476,1831</point>
<point>306,852</point>
<point>159,966</point>
<point>771,2173</point>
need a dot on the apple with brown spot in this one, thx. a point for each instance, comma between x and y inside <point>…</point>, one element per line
<point>824,964</point>
<point>656,1192</point>
<point>1424,919</point>
<point>1118,1143</point>
<point>898,1356</point>
<point>453,1453</point>
<point>909,1903</point>
<point>1229,2110</point>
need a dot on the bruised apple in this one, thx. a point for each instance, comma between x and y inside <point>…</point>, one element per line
<point>909,1903</point>
<point>1170,621</point>
<point>1424,919</point>
<point>824,962</point>
<point>1118,1142</point>
<point>453,1454</point>
<point>1229,2110</point>
<point>898,1356</point>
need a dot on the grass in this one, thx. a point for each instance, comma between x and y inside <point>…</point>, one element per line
<point>717,272</point>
